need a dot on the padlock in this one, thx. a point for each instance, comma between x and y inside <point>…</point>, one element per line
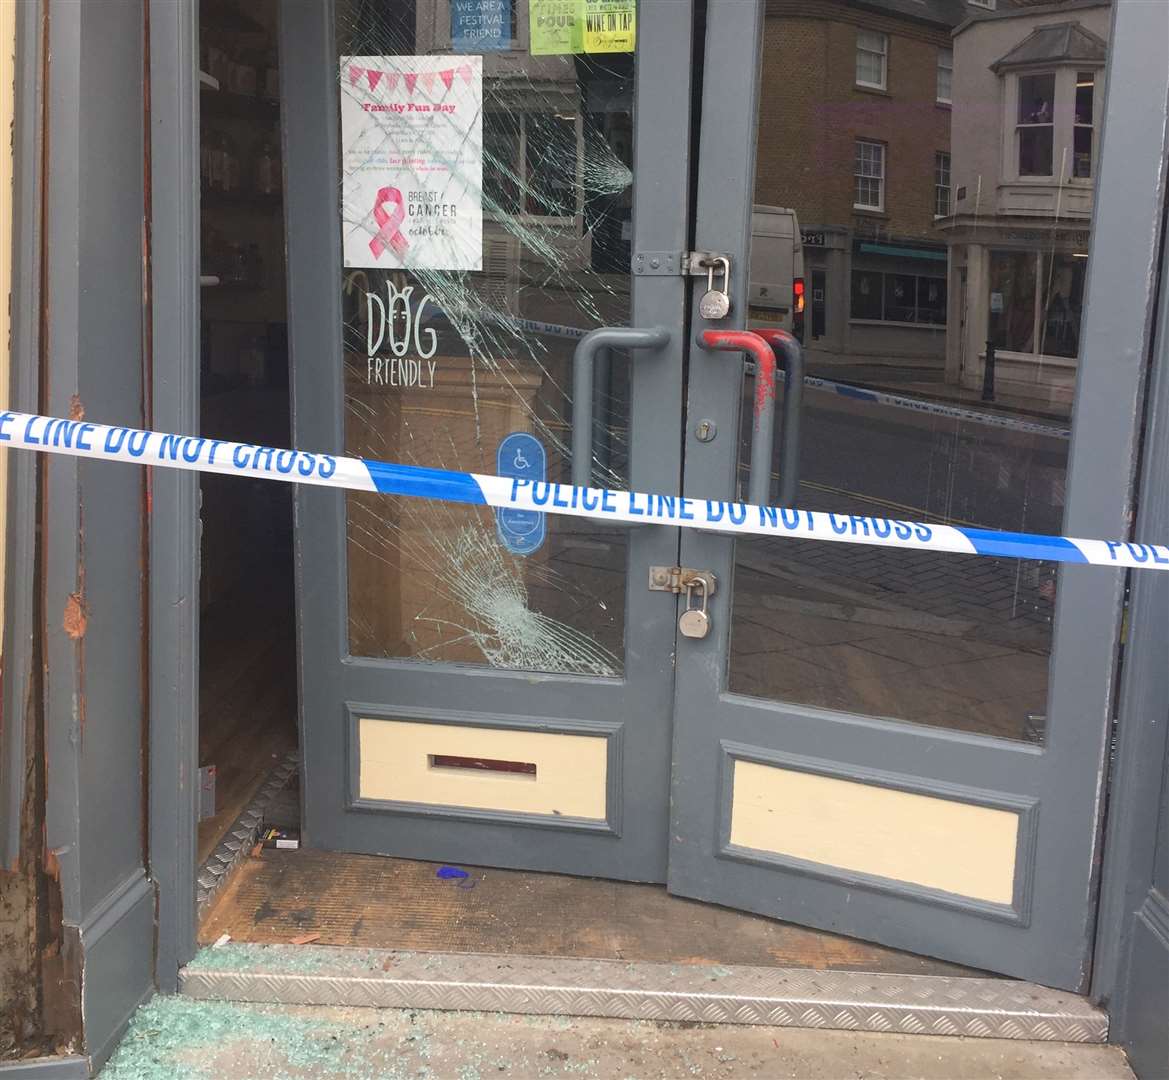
<point>695,622</point>
<point>716,303</point>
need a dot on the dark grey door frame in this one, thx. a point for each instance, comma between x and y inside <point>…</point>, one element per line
<point>1131,973</point>
<point>174,524</point>
<point>1109,406</point>
<point>22,394</point>
<point>92,541</point>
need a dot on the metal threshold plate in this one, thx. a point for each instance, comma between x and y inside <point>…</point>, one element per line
<point>785,997</point>
<point>238,840</point>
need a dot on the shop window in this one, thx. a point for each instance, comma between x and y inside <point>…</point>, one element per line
<point>867,294</point>
<point>1082,133</point>
<point>941,184</point>
<point>902,298</point>
<point>524,166</point>
<point>1063,299</point>
<point>869,173</point>
<point>1036,300</point>
<point>1013,279</point>
<point>1035,124</point>
<point>872,55</point>
<point>946,76</point>
<point>931,301</point>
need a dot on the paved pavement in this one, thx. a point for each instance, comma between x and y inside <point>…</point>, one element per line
<point>175,1038</point>
<point>955,641</point>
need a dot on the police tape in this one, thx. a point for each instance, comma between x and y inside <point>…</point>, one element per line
<point>79,438</point>
<point>935,408</point>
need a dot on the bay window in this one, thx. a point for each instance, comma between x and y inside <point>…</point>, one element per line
<point>1082,132</point>
<point>1036,301</point>
<point>1035,124</point>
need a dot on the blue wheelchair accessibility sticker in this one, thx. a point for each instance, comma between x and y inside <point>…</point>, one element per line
<point>521,457</point>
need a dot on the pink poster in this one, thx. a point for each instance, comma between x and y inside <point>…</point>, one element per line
<point>412,162</point>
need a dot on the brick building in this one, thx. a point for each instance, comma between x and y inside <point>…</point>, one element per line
<point>855,104</point>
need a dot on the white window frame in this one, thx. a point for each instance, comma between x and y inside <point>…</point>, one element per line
<point>948,98</point>
<point>1053,126</point>
<point>988,4</point>
<point>948,187</point>
<point>1090,126</point>
<point>879,206</point>
<point>883,52</point>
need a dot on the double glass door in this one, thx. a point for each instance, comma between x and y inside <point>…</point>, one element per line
<point>882,743</point>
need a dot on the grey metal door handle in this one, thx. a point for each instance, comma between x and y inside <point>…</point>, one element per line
<point>583,360</point>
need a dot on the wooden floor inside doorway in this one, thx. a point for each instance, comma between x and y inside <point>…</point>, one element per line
<point>247,706</point>
<point>376,902</point>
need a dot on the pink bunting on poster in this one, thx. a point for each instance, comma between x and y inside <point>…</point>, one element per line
<point>375,77</point>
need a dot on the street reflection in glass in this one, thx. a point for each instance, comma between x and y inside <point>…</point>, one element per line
<point>937,178</point>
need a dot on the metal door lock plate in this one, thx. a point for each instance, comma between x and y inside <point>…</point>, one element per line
<point>678,579</point>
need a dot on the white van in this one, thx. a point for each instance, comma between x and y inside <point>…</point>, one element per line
<point>775,294</point>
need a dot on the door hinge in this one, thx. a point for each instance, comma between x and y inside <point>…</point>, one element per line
<point>679,579</point>
<point>676,263</point>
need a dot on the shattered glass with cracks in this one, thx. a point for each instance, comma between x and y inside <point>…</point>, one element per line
<point>441,365</point>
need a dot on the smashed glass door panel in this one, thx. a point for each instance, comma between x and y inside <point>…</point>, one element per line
<point>485,193</point>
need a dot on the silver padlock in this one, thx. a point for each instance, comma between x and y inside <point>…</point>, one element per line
<point>716,303</point>
<point>695,622</point>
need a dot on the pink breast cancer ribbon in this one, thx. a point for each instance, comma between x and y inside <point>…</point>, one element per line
<point>388,233</point>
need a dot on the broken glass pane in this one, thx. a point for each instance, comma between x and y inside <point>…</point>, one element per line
<point>500,187</point>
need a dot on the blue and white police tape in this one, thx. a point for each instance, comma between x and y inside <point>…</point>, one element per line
<point>935,408</point>
<point>79,438</point>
